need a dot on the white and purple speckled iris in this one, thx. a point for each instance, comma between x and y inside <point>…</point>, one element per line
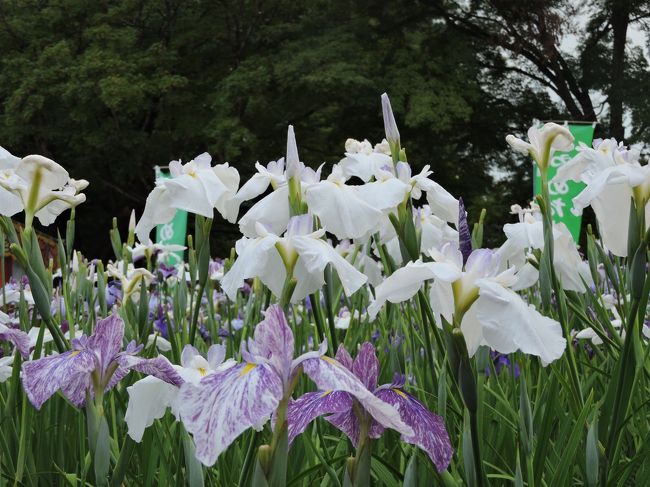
<point>223,405</point>
<point>95,364</point>
<point>349,414</point>
<point>18,338</point>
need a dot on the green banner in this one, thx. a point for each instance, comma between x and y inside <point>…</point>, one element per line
<point>174,232</point>
<point>562,194</point>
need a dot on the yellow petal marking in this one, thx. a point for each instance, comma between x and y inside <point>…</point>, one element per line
<point>399,393</point>
<point>249,366</point>
<point>330,360</point>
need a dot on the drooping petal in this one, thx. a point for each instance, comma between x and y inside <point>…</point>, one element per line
<point>6,368</point>
<point>385,194</point>
<point>348,423</point>
<point>63,200</point>
<point>19,338</point>
<point>363,165</point>
<point>272,211</point>
<point>442,203</point>
<point>68,372</point>
<point>429,432</point>
<point>255,186</point>
<point>612,209</point>
<point>196,193</point>
<point>224,405</point>
<point>253,260</point>
<point>311,405</point>
<point>341,210</point>
<point>157,210</point>
<point>149,399</point>
<point>159,367</point>
<point>406,281</point>
<point>509,324</point>
<point>226,202</point>
<point>53,175</point>
<point>315,254</point>
<point>10,203</point>
<point>328,374</point>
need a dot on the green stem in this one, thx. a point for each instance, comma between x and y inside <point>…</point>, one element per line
<point>195,315</point>
<point>476,452</point>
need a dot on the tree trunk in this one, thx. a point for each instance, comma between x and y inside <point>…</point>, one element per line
<point>620,19</point>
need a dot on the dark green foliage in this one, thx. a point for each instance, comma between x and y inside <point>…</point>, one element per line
<point>110,89</point>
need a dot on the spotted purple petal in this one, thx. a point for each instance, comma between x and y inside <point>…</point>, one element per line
<point>429,432</point>
<point>223,405</point>
<point>68,372</point>
<point>309,406</point>
<point>19,338</point>
<point>366,366</point>
<point>328,374</point>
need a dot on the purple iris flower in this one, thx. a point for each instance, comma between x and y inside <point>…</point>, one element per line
<point>349,415</point>
<point>162,324</point>
<point>223,405</point>
<point>167,271</point>
<point>502,361</point>
<point>113,292</point>
<point>18,338</point>
<point>95,364</point>
<point>237,324</point>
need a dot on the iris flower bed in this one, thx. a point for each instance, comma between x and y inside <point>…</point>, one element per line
<point>358,334</point>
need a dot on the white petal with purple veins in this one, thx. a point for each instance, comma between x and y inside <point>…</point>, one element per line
<point>68,372</point>
<point>223,405</point>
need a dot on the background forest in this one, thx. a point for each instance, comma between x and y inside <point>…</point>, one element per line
<point>110,89</point>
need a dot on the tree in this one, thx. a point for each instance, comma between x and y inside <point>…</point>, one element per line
<point>532,31</point>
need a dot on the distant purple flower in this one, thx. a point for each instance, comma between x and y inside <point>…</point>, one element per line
<point>216,269</point>
<point>237,323</point>
<point>167,271</point>
<point>348,414</point>
<point>245,289</point>
<point>223,405</point>
<point>95,362</point>
<point>500,361</point>
<point>113,292</point>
